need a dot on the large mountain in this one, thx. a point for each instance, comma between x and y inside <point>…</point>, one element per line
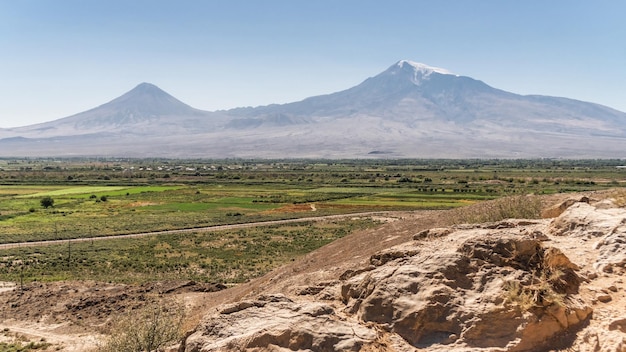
<point>409,110</point>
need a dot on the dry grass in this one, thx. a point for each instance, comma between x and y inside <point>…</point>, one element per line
<point>514,293</point>
<point>540,293</point>
<point>513,207</point>
<point>152,328</point>
<point>619,197</point>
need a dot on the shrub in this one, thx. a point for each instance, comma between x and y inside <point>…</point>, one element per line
<point>152,328</point>
<point>46,202</point>
<point>540,293</point>
<point>19,346</point>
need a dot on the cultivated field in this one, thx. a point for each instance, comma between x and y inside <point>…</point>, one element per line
<point>201,226</point>
<point>100,198</point>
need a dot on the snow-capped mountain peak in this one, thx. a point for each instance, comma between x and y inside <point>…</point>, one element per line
<point>424,69</point>
<point>416,71</point>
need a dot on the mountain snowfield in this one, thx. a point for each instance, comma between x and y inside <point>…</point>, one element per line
<point>410,110</point>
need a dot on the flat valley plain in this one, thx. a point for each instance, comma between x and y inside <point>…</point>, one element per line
<point>100,198</point>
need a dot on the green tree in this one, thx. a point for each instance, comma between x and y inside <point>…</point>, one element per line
<point>47,202</point>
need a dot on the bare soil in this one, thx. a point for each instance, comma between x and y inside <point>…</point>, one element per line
<point>72,316</point>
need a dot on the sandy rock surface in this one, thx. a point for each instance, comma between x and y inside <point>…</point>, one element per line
<point>515,285</point>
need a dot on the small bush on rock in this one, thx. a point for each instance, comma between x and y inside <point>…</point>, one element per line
<point>541,293</point>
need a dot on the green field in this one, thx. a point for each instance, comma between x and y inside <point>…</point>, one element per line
<point>104,197</point>
<point>83,212</point>
<point>220,256</point>
<point>108,197</point>
<point>71,190</point>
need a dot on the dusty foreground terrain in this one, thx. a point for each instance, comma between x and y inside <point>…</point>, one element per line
<point>414,284</point>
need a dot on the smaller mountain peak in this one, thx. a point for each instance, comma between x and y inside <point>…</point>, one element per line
<point>149,100</point>
<point>146,86</point>
<point>146,89</point>
<point>423,68</point>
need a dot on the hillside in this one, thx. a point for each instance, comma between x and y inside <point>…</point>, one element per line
<point>415,283</point>
<point>515,285</point>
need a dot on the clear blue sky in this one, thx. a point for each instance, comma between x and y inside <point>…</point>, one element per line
<point>60,57</point>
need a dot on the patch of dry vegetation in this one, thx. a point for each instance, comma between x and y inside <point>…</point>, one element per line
<point>512,207</point>
<point>619,197</point>
<point>22,346</point>
<point>541,292</point>
<point>152,328</point>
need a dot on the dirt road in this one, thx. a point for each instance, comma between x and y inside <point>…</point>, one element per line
<point>199,229</point>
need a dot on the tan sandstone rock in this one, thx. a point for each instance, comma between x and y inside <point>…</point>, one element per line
<point>514,285</point>
<point>277,323</point>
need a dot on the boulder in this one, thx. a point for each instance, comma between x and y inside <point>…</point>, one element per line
<point>606,227</point>
<point>457,295</point>
<point>558,209</point>
<point>277,323</point>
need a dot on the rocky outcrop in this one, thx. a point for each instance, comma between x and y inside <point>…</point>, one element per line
<point>558,209</point>
<point>278,323</point>
<point>604,227</point>
<point>515,285</point>
<point>494,289</point>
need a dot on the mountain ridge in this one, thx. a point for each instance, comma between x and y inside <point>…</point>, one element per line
<point>408,110</point>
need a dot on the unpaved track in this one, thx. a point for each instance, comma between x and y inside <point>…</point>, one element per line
<point>199,229</point>
<point>60,341</point>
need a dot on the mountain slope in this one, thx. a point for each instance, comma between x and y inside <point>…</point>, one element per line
<point>409,110</point>
<point>146,109</point>
<point>377,95</point>
<point>411,92</point>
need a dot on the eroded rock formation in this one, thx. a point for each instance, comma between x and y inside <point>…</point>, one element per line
<point>515,285</point>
